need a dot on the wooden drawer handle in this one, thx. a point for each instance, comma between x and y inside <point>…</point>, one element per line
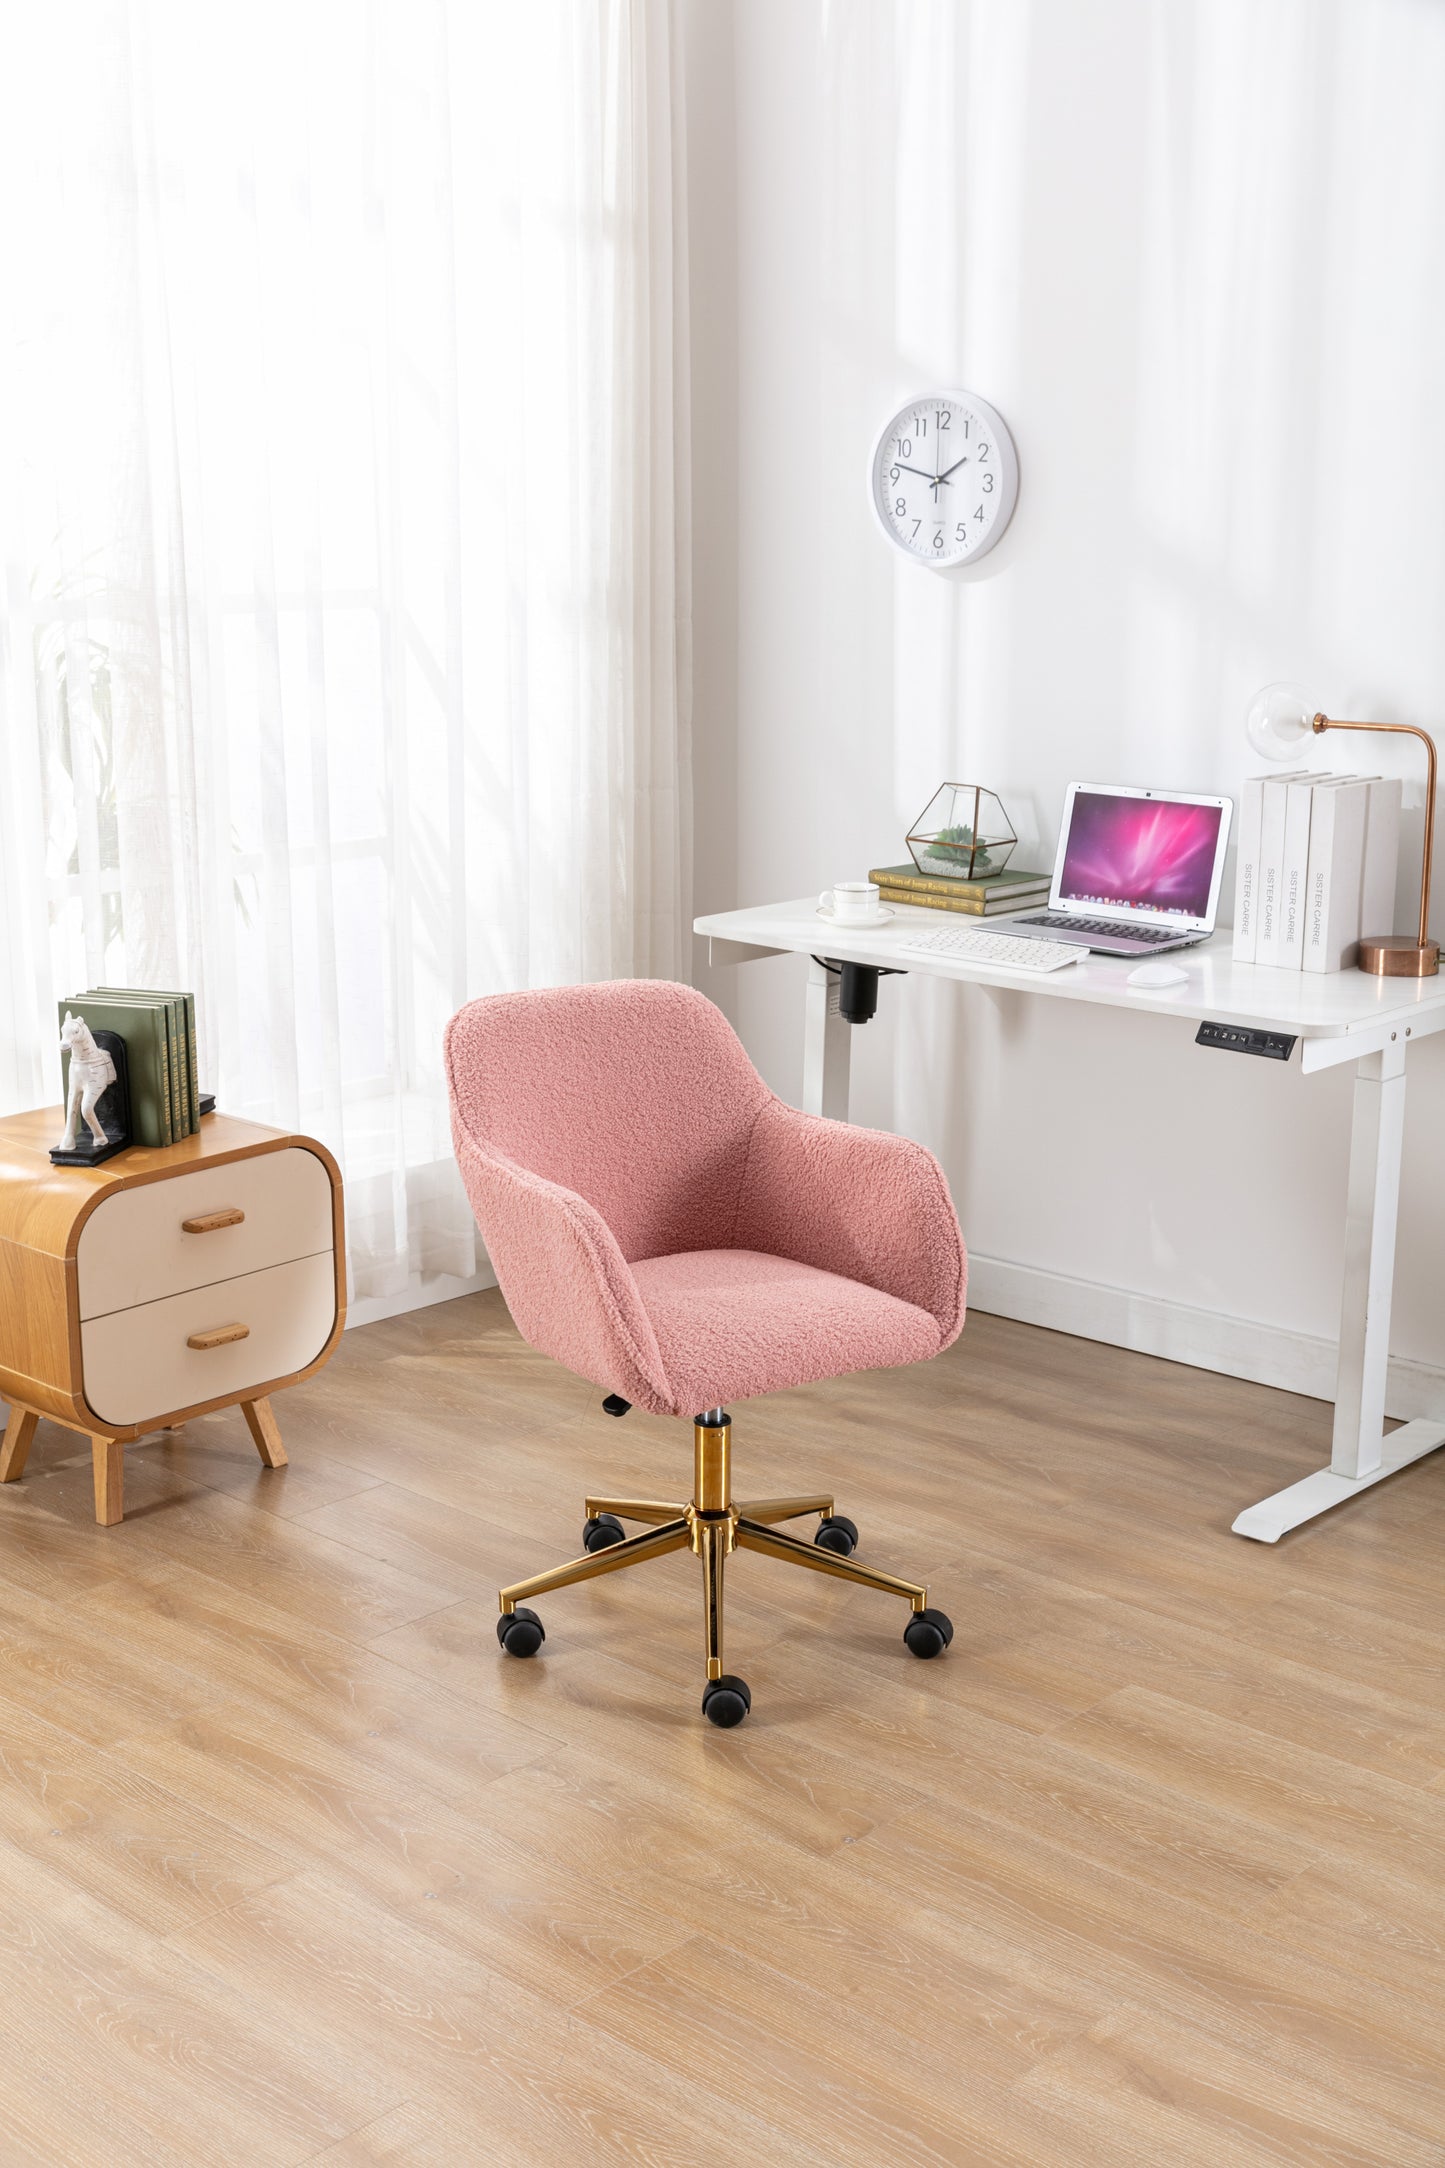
<point>218,1336</point>
<point>208,1221</point>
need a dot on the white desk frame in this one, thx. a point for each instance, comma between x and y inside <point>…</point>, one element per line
<point>1337,1017</point>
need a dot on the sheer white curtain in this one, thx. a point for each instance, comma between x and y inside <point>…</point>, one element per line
<point>343,519</point>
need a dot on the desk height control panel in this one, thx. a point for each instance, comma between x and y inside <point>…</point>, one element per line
<point>1241,1039</point>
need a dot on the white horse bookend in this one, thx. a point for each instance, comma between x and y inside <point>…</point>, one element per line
<point>92,1072</point>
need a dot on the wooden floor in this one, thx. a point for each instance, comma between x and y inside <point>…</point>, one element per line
<point>1150,1868</point>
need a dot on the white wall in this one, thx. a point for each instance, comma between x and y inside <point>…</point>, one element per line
<point>1194,250</point>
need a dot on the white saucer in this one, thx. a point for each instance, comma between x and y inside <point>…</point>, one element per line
<point>859,925</point>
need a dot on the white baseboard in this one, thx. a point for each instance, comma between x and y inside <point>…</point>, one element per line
<point>418,1295</point>
<point>1297,1362</point>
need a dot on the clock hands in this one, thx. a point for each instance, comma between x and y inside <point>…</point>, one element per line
<point>932,480</point>
<point>962,450</point>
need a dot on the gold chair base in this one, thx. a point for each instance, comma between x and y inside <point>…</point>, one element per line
<point>711,1526</point>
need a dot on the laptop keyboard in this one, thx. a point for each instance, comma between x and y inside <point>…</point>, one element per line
<point>1107,926</point>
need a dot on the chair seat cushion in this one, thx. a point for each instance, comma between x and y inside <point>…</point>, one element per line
<point>733,1323</point>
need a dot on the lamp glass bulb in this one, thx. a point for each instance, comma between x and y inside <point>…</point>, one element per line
<point>1279,721</point>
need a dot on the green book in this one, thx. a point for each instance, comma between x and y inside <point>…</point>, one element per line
<point>941,884</point>
<point>193,1073</point>
<point>167,1008</point>
<point>185,1037</point>
<point>180,1110</point>
<point>975,906</point>
<point>184,1006</point>
<point>161,1005</point>
<point>180,1127</point>
<point>142,1025</point>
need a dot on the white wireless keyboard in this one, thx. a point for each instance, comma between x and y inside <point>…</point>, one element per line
<point>1007,951</point>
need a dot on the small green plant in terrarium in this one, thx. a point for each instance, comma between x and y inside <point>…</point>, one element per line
<point>952,845</point>
<point>963,833</point>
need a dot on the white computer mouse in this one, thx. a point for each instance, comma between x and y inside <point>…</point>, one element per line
<point>1156,975</point>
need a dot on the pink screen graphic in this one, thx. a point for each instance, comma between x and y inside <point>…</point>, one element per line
<point>1140,853</point>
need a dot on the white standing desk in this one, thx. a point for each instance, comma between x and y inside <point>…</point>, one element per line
<point>1337,1017</point>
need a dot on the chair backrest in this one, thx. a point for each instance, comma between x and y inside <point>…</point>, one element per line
<point>635,1093</point>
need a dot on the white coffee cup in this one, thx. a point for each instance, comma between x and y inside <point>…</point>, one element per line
<point>851,903</point>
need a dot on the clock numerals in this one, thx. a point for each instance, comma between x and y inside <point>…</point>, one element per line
<point>942,490</point>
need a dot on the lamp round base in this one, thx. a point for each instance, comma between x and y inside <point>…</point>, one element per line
<point>1396,956</point>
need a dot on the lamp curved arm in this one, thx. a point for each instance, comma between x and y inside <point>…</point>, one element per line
<point>1406,730</point>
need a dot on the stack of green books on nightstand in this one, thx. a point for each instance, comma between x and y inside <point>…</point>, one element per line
<point>1010,890</point>
<point>159,1030</point>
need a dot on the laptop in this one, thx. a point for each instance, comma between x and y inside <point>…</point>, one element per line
<point>1136,871</point>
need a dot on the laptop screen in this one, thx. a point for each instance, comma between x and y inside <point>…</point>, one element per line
<point>1140,854</point>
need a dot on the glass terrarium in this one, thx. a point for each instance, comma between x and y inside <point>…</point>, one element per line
<point>963,833</point>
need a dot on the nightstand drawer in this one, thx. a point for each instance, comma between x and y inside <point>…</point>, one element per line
<point>137,1364</point>
<point>266,1210</point>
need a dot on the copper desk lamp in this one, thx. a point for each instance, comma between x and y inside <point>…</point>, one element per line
<point>1280,719</point>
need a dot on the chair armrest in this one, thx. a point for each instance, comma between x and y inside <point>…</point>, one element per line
<point>563,1275</point>
<point>858,1202</point>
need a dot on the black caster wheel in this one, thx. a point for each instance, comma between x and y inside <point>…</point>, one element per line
<point>602,1531</point>
<point>520,1632</point>
<point>837,1533</point>
<point>928,1633</point>
<point>726,1701</point>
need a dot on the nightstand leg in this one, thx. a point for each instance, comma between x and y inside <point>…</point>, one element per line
<point>262,1425</point>
<point>107,1461</point>
<point>19,1431</point>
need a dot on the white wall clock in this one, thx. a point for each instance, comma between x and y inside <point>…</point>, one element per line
<point>944,478</point>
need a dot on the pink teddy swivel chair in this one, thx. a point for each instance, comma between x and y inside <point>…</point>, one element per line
<point>662,1224</point>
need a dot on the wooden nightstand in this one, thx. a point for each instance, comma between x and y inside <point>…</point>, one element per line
<point>165,1283</point>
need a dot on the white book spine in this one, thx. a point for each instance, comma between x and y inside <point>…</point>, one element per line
<point>1271,869</point>
<point>1246,870</point>
<point>1337,849</point>
<point>1294,874</point>
<point>1382,856</point>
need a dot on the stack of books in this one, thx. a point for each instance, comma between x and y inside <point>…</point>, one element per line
<point>159,1030</point>
<point>1007,891</point>
<point>1316,868</point>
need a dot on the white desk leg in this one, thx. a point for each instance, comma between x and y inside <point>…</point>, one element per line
<point>825,1047</point>
<point>1361,1453</point>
